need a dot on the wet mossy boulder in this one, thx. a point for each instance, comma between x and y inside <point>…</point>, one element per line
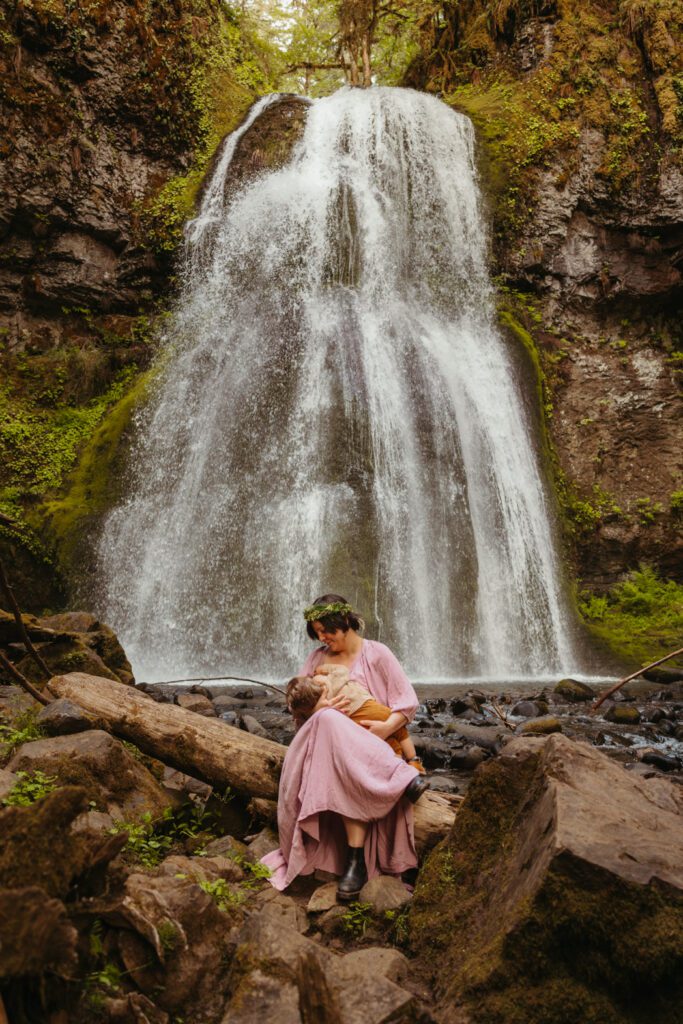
<point>573,691</point>
<point>623,714</point>
<point>558,896</point>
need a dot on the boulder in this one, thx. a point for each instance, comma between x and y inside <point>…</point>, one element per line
<point>573,691</point>
<point>112,777</point>
<point>529,709</point>
<point>467,758</point>
<point>63,718</point>
<point>622,714</point>
<point>541,726</point>
<point>265,842</point>
<point>201,869</point>
<point>253,726</point>
<point>384,892</point>
<point>7,781</point>
<point>558,894</point>
<point>375,962</point>
<point>35,935</point>
<point>174,940</point>
<point>259,997</point>
<point>196,702</point>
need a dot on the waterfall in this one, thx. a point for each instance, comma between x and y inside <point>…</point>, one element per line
<point>338,410</point>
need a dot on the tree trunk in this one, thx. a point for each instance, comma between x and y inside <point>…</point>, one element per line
<point>208,749</point>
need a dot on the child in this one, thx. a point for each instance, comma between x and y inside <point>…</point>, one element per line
<point>308,694</point>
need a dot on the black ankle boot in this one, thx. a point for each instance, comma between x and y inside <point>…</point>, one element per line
<point>416,788</point>
<point>355,875</point>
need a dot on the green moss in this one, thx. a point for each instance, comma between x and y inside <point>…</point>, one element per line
<point>582,945</point>
<point>640,620</point>
<point>90,489</point>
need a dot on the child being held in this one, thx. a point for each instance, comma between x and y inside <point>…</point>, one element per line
<point>308,694</point>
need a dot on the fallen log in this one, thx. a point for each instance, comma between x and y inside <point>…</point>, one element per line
<point>208,749</point>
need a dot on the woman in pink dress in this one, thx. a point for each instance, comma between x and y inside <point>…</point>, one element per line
<point>340,803</point>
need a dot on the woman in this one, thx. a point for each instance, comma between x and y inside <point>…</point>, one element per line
<point>339,804</point>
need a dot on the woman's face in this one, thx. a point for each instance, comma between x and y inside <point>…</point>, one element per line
<point>334,640</point>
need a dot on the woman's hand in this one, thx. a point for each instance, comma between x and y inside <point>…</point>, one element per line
<point>380,729</point>
<point>340,703</point>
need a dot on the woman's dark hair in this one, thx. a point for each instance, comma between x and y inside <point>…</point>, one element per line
<point>345,622</point>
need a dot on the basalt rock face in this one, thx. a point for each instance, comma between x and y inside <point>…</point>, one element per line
<point>540,903</point>
<point>579,123</point>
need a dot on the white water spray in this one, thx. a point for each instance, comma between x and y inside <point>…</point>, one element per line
<point>339,412</point>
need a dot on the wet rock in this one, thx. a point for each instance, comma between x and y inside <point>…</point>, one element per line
<point>467,759</point>
<point>541,726</point>
<point>93,821</point>
<point>434,753</point>
<point>542,863</point>
<point>573,691</point>
<point>489,737</point>
<point>622,714</point>
<point>460,705</point>
<point>664,675</point>
<point>324,898</point>
<point>528,709</point>
<point>384,892</point>
<point>63,718</point>
<point>666,762</point>
<point>253,726</point>
<point>114,779</point>
<point>230,718</point>
<point>133,1007</point>
<point>196,702</point>
<point>183,787</point>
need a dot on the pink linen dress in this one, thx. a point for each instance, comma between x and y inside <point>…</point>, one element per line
<point>333,768</point>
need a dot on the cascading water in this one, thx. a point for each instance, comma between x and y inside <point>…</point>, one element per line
<point>338,411</point>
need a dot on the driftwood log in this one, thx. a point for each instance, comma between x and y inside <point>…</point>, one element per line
<point>208,749</point>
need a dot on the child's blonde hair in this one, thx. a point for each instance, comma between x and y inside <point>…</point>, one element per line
<point>303,693</point>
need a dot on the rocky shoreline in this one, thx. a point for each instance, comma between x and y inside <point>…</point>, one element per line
<point>131,891</point>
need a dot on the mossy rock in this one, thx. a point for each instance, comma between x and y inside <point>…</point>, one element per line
<point>541,726</point>
<point>573,691</point>
<point>535,910</point>
<point>623,714</point>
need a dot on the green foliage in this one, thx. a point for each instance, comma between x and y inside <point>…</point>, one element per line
<point>676,503</point>
<point>647,510</point>
<point>23,729</point>
<point>585,515</point>
<point>356,919</point>
<point>145,844</point>
<point>641,619</point>
<point>397,920</point>
<point>225,896</point>
<point>31,786</point>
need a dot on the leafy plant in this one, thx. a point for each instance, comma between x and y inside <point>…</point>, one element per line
<point>220,891</point>
<point>22,730</point>
<point>356,919</point>
<point>398,925</point>
<point>144,843</point>
<point>31,786</point>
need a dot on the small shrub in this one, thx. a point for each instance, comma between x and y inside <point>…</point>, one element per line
<point>221,892</point>
<point>144,843</point>
<point>356,919</point>
<point>31,786</point>
<point>22,730</point>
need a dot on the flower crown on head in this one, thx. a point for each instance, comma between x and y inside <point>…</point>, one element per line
<point>320,611</point>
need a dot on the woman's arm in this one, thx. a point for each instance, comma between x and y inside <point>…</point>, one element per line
<point>399,694</point>
<point>384,729</point>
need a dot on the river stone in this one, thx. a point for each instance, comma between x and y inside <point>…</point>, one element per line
<point>541,726</point>
<point>622,714</point>
<point>196,702</point>
<point>384,892</point>
<point>253,726</point>
<point>226,846</point>
<point>574,691</point>
<point>667,762</point>
<point>467,759</point>
<point>553,840</point>
<point>527,709</point>
<point>63,718</point>
<point>264,842</point>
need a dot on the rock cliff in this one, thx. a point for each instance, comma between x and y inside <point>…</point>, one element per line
<point>579,114</point>
<point>109,114</point>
